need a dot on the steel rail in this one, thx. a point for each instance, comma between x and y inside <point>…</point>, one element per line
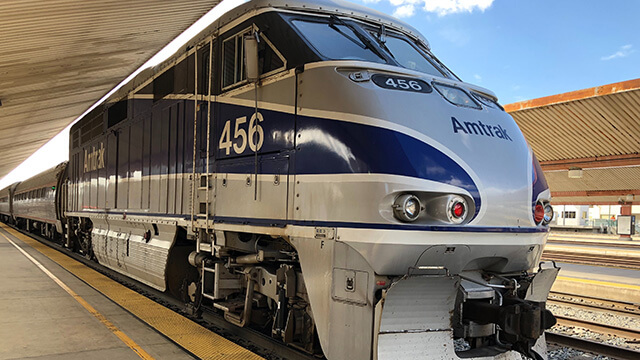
<point>595,304</point>
<point>593,243</point>
<point>630,334</point>
<point>592,346</point>
<point>612,261</point>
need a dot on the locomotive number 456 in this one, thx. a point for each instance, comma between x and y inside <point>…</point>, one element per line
<point>255,136</point>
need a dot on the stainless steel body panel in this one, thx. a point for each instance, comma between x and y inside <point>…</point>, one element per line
<point>339,316</point>
<point>120,245</point>
<point>500,168</point>
<point>5,201</point>
<point>392,252</point>
<point>34,198</point>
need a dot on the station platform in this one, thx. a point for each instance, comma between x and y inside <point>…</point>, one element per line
<point>602,282</point>
<point>614,240</point>
<point>53,307</point>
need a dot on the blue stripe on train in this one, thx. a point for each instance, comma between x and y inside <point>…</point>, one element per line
<point>325,146</point>
<point>339,224</point>
<point>539,181</point>
<point>338,147</point>
<point>355,225</point>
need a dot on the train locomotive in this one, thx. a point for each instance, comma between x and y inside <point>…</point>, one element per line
<point>312,170</point>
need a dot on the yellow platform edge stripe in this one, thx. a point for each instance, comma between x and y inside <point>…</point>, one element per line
<point>599,282</point>
<point>191,336</point>
<point>108,324</point>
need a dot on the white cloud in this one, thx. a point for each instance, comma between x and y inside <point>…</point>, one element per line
<point>407,8</point>
<point>445,7</point>
<point>624,51</point>
<point>477,77</point>
<point>404,11</point>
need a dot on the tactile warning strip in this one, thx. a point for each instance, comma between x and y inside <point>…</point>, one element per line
<point>192,337</point>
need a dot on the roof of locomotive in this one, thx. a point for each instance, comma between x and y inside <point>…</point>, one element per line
<point>338,7</point>
<point>325,7</point>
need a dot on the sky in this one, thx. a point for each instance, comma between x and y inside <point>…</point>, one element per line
<point>526,49</point>
<point>519,49</point>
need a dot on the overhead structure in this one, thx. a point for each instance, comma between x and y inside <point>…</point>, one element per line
<point>58,57</point>
<point>587,142</point>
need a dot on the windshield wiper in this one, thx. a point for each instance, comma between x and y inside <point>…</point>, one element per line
<point>381,37</point>
<point>364,42</point>
<point>382,34</point>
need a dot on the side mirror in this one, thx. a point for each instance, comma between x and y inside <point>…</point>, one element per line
<point>251,57</point>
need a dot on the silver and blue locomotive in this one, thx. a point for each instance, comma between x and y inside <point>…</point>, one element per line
<point>311,168</point>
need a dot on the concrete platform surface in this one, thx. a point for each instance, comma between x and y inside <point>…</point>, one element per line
<point>40,320</point>
<point>634,241</point>
<point>599,282</point>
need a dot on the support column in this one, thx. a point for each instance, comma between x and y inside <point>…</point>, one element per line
<point>625,210</point>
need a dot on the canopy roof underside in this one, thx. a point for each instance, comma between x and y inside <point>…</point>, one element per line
<point>596,130</point>
<point>58,57</point>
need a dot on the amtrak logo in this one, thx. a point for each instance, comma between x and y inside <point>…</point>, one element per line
<point>478,128</point>
<point>94,160</point>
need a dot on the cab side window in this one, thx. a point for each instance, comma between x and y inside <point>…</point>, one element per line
<point>233,59</point>
<point>270,60</point>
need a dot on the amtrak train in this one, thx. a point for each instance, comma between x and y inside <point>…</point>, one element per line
<point>311,169</point>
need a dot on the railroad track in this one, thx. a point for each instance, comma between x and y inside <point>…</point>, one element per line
<point>590,303</point>
<point>254,340</point>
<point>602,260</point>
<point>592,346</point>
<point>593,243</point>
<point>614,308</point>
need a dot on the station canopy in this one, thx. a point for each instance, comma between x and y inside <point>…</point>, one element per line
<point>587,142</point>
<point>58,57</point>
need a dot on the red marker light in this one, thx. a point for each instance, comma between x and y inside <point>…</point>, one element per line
<point>458,210</point>
<point>538,213</point>
<point>381,283</point>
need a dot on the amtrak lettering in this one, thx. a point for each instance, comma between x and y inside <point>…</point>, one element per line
<point>94,160</point>
<point>479,129</point>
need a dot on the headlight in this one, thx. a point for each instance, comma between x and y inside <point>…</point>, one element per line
<point>457,209</point>
<point>456,96</point>
<point>548,214</point>
<point>488,101</point>
<point>406,207</point>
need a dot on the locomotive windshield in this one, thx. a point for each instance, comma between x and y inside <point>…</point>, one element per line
<point>407,56</point>
<point>338,39</point>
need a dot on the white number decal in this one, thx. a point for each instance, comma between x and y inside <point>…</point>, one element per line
<point>255,131</point>
<point>255,128</point>
<point>225,141</point>
<point>239,149</point>
<point>403,84</point>
<point>415,85</point>
<point>390,82</point>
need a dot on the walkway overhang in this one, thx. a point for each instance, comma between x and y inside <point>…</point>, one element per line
<point>58,57</point>
<point>596,133</point>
